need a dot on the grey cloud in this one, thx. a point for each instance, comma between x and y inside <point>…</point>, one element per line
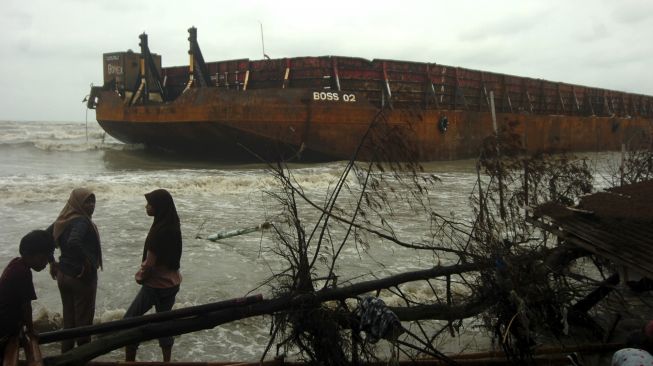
<point>630,12</point>
<point>591,42</point>
<point>505,27</point>
<point>597,31</point>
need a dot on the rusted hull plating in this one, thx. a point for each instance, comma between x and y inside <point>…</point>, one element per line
<point>235,125</point>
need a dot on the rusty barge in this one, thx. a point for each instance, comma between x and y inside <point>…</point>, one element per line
<point>324,106</point>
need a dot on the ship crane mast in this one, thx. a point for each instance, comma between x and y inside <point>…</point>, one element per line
<point>148,72</point>
<point>197,65</point>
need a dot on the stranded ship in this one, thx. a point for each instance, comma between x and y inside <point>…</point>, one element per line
<point>336,108</point>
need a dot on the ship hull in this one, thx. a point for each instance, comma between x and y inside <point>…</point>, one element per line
<point>273,124</point>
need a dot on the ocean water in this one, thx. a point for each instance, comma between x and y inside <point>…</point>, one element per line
<point>41,162</point>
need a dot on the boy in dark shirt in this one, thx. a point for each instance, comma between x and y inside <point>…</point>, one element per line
<point>16,287</point>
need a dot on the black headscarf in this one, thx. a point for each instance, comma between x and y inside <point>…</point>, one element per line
<point>164,238</point>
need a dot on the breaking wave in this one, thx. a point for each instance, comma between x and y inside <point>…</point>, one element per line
<point>84,146</point>
<point>59,136</point>
<point>28,188</point>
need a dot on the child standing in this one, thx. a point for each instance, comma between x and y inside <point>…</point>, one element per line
<point>16,287</point>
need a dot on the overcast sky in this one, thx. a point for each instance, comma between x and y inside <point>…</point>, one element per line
<point>52,50</point>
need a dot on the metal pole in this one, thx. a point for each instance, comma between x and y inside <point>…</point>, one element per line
<point>262,40</point>
<point>494,114</point>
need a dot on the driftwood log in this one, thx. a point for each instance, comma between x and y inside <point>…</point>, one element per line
<point>117,325</point>
<point>211,319</point>
<point>208,316</point>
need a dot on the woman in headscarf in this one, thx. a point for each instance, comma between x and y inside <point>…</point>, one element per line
<point>78,240</point>
<point>159,273</point>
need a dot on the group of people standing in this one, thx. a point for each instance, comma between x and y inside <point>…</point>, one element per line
<point>76,236</point>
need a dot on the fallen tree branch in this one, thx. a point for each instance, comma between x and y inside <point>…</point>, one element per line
<point>208,320</point>
<point>442,311</point>
<point>49,337</point>
<point>85,353</point>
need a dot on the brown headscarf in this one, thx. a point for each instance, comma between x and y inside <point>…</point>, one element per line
<point>72,210</point>
<point>164,238</point>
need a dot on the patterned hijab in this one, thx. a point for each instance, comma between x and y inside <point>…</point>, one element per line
<point>73,209</point>
<point>164,238</point>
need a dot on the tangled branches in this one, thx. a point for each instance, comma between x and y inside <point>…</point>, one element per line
<point>493,264</point>
<point>359,210</point>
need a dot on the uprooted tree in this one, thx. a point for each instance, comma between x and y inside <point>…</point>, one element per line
<point>491,265</point>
